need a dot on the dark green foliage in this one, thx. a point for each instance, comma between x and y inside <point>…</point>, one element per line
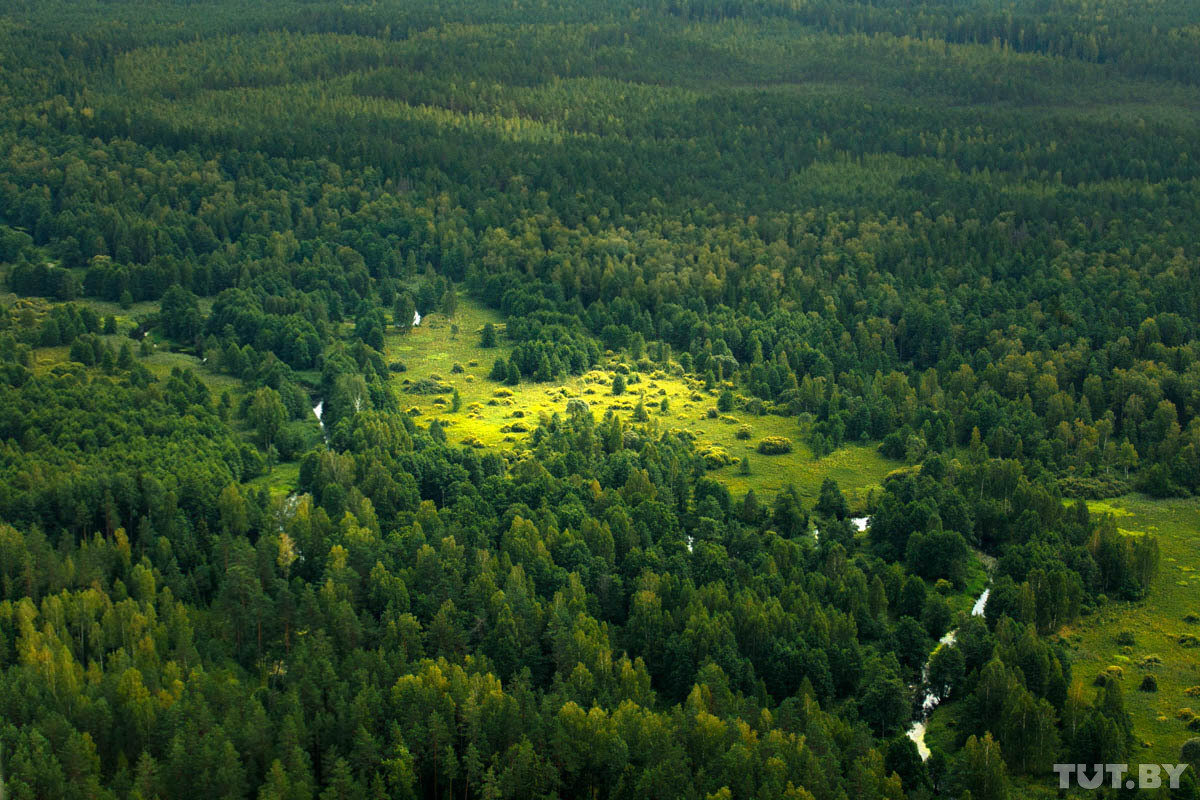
<point>488,337</point>
<point>1190,752</point>
<point>830,502</point>
<point>499,370</point>
<point>944,245</point>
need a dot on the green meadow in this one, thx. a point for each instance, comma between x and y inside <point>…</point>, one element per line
<point>1158,636</point>
<point>494,415</point>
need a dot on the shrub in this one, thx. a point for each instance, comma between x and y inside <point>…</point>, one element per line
<point>743,432</point>
<point>1149,684</point>
<point>456,369</point>
<point>1125,639</point>
<point>775,445</point>
<point>430,385</point>
<point>714,456</point>
<point>1190,752</point>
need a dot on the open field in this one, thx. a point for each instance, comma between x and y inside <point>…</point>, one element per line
<point>495,415</point>
<point>1164,627</point>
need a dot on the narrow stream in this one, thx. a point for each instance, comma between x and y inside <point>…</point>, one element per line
<point>318,409</point>
<point>917,731</point>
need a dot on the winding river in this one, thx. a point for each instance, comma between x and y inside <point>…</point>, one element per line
<point>916,731</point>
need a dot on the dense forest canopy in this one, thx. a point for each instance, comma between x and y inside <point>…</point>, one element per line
<point>963,233</point>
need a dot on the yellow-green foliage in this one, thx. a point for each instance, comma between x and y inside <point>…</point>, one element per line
<point>489,408</point>
<point>714,456</point>
<point>775,445</point>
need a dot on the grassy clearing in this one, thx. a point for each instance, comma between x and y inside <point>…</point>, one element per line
<point>495,415</point>
<point>1159,626</point>
<point>281,481</point>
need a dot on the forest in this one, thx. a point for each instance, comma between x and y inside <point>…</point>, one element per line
<point>257,542</point>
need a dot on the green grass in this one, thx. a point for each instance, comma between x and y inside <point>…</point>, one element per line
<point>490,409</point>
<point>976,581</point>
<point>857,468</point>
<point>281,481</point>
<point>162,361</point>
<point>1157,623</point>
